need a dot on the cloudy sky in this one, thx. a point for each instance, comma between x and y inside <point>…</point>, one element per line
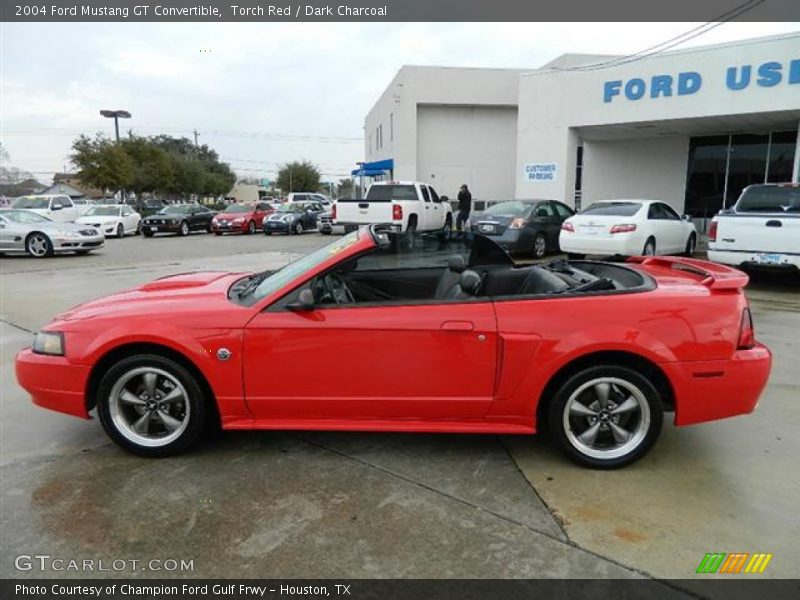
<point>262,93</point>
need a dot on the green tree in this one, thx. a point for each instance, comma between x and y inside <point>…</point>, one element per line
<point>102,163</point>
<point>345,188</point>
<point>152,169</point>
<point>301,176</point>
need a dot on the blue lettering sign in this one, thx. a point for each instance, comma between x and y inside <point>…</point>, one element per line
<point>794,71</point>
<point>738,83</point>
<point>661,86</point>
<point>769,74</point>
<point>634,89</point>
<point>611,89</point>
<point>689,83</point>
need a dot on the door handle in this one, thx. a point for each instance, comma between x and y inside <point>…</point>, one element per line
<point>458,326</point>
<point>774,223</point>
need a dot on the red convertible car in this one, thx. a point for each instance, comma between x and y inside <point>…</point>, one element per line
<point>444,338</point>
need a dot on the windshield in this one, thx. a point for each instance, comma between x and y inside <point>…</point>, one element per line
<point>103,211</point>
<point>174,209</point>
<point>32,202</point>
<point>508,209</point>
<point>291,207</point>
<point>22,216</point>
<point>280,278</point>
<point>238,208</point>
<point>612,209</point>
<point>769,198</point>
<point>386,193</point>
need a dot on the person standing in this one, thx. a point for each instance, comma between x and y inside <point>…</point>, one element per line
<point>464,206</point>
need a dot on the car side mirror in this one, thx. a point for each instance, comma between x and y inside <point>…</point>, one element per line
<point>687,217</point>
<point>305,301</point>
<point>444,199</point>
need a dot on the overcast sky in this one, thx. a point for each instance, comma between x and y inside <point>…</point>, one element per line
<point>254,91</point>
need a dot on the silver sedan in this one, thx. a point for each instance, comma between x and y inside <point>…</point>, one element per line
<point>23,231</point>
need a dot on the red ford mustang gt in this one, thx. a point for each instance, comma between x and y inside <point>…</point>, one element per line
<point>443,338</point>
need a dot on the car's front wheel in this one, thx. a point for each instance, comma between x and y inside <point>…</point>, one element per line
<point>298,228</point>
<point>606,416</point>
<point>151,405</point>
<point>183,229</point>
<point>251,227</point>
<point>38,245</point>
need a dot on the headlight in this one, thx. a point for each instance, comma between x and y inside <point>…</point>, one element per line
<point>517,223</point>
<point>48,342</point>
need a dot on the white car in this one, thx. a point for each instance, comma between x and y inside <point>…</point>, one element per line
<point>56,208</point>
<point>627,228</point>
<point>112,219</point>
<point>763,229</point>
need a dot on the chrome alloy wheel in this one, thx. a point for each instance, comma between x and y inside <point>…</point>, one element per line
<point>38,245</point>
<point>539,246</point>
<point>149,407</point>
<point>606,418</point>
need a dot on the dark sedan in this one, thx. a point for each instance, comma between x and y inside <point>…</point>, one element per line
<point>178,218</point>
<point>529,227</point>
<point>294,217</point>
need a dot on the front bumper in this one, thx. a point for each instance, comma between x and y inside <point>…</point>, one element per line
<point>711,390</point>
<point>161,227</point>
<point>771,260</point>
<point>278,226</point>
<point>53,382</point>
<point>73,244</point>
<point>228,226</point>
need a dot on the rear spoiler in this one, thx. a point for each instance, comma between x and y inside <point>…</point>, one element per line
<point>715,276</point>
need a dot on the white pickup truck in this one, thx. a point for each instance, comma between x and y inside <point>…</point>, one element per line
<point>410,207</point>
<point>763,228</point>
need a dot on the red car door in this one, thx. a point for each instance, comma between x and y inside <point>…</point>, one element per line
<point>413,362</point>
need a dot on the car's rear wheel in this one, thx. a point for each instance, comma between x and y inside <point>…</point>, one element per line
<point>409,239</point>
<point>38,245</point>
<point>691,244</point>
<point>606,416</point>
<point>447,231</point>
<point>251,227</point>
<point>183,229</point>
<point>151,405</point>
<point>120,230</point>
<point>649,247</point>
<point>539,246</point>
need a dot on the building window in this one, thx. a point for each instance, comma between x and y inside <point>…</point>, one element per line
<point>721,166</point>
<point>578,177</point>
<point>380,133</point>
<point>391,127</point>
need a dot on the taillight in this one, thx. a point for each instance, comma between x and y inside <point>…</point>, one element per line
<point>712,232</point>
<point>623,228</point>
<point>747,335</point>
<point>333,212</point>
<point>517,223</point>
<point>568,227</point>
<point>397,212</point>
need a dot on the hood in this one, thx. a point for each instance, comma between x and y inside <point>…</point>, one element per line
<point>188,295</point>
<point>283,216</point>
<point>96,219</point>
<point>160,216</point>
<point>232,216</point>
<point>54,226</point>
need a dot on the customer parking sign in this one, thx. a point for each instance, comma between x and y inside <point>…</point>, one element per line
<point>535,172</point>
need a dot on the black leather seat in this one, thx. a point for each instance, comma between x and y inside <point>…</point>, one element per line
<point>449,279</point>
<point>541,281</point>
<point>467,286</point>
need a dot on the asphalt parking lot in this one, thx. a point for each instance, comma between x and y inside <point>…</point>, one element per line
<point>294,504</point>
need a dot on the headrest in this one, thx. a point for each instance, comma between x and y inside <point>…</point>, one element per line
<point>470,282</point>
<point>457,264</point>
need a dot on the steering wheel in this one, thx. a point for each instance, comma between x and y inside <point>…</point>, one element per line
<point>336,289</point>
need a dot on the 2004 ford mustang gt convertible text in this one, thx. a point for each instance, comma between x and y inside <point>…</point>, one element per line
<point>447,337</point>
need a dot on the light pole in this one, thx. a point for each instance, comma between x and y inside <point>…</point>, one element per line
<point>116,115</point>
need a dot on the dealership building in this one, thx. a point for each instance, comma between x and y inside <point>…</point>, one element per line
<point>690,127</point>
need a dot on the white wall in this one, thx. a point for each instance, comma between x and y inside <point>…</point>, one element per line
<point>476,145</point>
<point>616,170</point>
<point>555,106</point>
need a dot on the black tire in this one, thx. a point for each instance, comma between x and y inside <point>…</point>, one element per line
<point>447,231</point>
<point>183,229</point>
<point>350,228</point>
<point>266,232</point>
<point>646,423</point>
<point>325,231</point>
<point>649,247</point>
<point>217,233</point>
<point>38,245</point>
<point>409,238</point>
<point>691,244</point>
<point>82,252</point>
<point>251,228</point>
<point>147,233</point>
<point>297,228</point>
<point>120,231</point>
<point>198,408</point>
<point>539,247</point>
<point>573,256</point>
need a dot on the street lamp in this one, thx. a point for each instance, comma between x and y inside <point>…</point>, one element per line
<point>116,115</point>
